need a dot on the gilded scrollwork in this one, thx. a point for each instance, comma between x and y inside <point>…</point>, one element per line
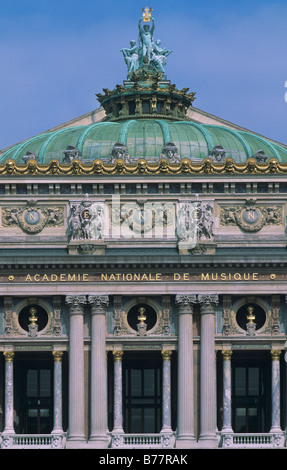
<point>163,166</point>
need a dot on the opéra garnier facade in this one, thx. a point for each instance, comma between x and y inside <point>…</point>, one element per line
<point>143,275</point>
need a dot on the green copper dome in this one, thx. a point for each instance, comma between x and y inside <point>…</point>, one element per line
<point>145,138</point>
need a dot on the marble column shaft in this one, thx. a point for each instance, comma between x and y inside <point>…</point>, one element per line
<point>58,399</point>
<point>118,392</point>
<point>207,369</point>
<point>185,424</point>
<point>275,421</point>
<point>76,367</point>
<point>227,353</point>
<point>99,305</point>
<point>166,386</point>
<point>9,393</point>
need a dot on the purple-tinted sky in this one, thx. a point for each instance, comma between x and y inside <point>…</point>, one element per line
<point>56,54</point>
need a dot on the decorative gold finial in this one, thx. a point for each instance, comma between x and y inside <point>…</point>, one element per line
<point>250,314</point>
<point>142,316</point>
<point>147,13</point>
<point>33,318</point>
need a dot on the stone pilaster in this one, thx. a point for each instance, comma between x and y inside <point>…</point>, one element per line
<point>99,304</point>
<point>185,424</point>
<point>207,436</point>
<point>76,431</point>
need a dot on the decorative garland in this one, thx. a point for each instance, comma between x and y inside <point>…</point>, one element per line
<point>142,167</point>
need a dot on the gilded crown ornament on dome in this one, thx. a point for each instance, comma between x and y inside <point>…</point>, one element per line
<point>147,13</point>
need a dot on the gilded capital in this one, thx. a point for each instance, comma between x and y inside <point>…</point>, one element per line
<point>118,355</point>
<point>57,356</point>
<point>166,355</point>
<point>9,355</point>
<point>227,353</point>
<point>275,354</point>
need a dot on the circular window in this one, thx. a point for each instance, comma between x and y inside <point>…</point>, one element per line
<point>250,313</point>
<point>142,314</point>
<point>33,314</point>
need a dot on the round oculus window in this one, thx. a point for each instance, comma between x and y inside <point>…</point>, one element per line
<point>250,313</point>
<point>142,314</point>
<point>33,315</point>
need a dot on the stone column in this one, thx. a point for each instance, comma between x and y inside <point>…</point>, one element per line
<point>76,369</point>
<point>227,353</point>
<point>275,420</point>
<point>118,392</point>
<point>207,436</point>
<point>9,393</point>
<point>58,426</point>
<point>166,391</point>
<point>98,434</point>
<point>185,424</point>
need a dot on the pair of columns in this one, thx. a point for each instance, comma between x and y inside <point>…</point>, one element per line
<point>9,393</point>
<point>185,427</point>
<point>275,418</point>
<point>166,387</point>
<point>98,431</point>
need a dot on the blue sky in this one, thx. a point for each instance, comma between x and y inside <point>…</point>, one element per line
<point>55,55</point>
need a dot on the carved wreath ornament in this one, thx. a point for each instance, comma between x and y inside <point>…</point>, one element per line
<point>32,218</point>
<point>250,217</point>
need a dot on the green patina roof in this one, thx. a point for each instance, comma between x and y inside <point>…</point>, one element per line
<point>145,138</point>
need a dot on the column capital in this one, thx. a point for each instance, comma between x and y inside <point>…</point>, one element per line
<point>185,302</point>
<point>226,353</point>
<point>76,303</point>
<point>58,355</point>
<point>9,356</point>
<point>207,302</point>
<point>99,304</point>
<point>275,354</point>
<point>166,354</point>
<point>118,355</point>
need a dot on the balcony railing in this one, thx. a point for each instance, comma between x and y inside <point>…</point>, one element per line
<point>256,440</point>
<point>32,441</point>
<point>148,441</point>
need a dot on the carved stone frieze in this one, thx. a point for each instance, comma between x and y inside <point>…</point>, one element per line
<point>33,217</point>
<point>251,217</point>
<point>57,326</point>
<point>195,220</point>
<point>86,221</point>
<point>141,216</point>
<point>9,324</point>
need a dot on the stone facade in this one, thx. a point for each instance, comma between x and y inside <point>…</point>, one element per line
<point>143,300</point>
